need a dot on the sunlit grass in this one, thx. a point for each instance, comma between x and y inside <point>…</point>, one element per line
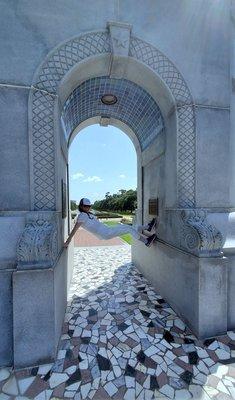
<point>126,237</point>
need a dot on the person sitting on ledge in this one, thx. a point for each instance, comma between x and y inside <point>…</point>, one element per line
<point>89,221</point>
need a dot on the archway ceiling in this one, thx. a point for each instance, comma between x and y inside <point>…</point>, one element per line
<point>135,107</point>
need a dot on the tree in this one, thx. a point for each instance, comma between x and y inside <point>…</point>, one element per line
<point>73,205</point>
<point>124,200</point>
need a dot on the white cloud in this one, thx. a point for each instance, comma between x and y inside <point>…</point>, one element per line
<point>122,176</point>
<point>92,179</point>
<point>103,145</point>
<point>77,175</point>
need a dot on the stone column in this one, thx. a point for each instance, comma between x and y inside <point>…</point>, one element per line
<point>40,290</point>
<point>232,109</point>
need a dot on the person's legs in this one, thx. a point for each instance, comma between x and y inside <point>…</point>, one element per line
<point>109,232</point>
<point>117,230</point>
<point>141,228</point>
<point>148,227</point>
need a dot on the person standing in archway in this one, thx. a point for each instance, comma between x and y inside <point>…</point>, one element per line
<point>89,222</point>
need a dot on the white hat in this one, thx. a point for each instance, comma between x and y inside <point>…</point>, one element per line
<point>86,202</point>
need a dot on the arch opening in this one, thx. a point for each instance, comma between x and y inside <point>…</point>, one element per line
<point>96,168</point>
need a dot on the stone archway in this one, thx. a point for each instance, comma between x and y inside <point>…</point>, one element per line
<point>43,101</point>
<point>184,227</point>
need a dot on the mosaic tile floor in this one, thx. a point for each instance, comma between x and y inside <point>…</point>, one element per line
<point>121,340</point>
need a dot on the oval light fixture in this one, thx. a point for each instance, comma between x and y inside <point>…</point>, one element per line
<point>109,99</point>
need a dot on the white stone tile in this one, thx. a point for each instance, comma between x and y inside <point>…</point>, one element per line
<point>152,350</point>
<point>220,370</point>
<point>117,371</point>
<point>95,383</point>
<point>61,354</point>
<point>109,335</point>
<point>148,394</point>
<point>47,394</point>
<point>184,359</point>
<point>202,353</point>
<point>212,392</point>
<point>86,333</point>
<point>201,378</point>
<point>230,378</point>
<point>157,358</point>
<point>166,344</point>
<point>110,376</point>
<point>182,394</point>
<point>68,316</point>
<point>171,355</point>
<point>130,394</point>
<point>77,331</point>
<point>176,368</point>
<point>130,381</point>
<point>198,392</point>
<point>116,352</point>
<point>85,390</point>
<point>227,382</point>
<point>111,389</point>
<point>179,324</point>
<point>164,366</point>
<point>222,388</point>
<point>44,369</point>
<point>83,364</point>
<point>69,394</point>
<point>138,388</point>
<point>231,334</point>
<point>41,396</point>
<point>222,354</point>
<point>141,395</point>
<point>146,383</point>
<point>232,391</point>
<point>172,373</point>
<point>151,371</point>
<point>4,374</point>
<point>224,347</point>
<point>203,368</point>
<point>10,387</point>
<point>4,396</point>
<point>140,367</point>
<point>134,336</point>
<point>25,383</point>
<point>209,362</point>
<point>65,336</point>
<point>73,386</point>
<point>214,345</point>
<point>168,391</point>
<point>57,378</point>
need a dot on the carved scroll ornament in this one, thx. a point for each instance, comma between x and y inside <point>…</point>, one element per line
<point>37,246</point>
<point>198,236</point>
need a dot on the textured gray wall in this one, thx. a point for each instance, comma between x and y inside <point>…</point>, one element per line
<point>197,41</point>
<point>14,158</point>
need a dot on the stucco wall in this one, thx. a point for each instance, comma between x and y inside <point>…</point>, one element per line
<point>193,34</point>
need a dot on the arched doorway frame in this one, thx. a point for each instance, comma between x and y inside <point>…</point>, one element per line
<point>43,106</point>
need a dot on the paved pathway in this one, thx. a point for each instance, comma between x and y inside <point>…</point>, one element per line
<point>84,238</point>
<point>121,340</point>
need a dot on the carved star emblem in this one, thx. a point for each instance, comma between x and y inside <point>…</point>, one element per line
<point>120,42</point>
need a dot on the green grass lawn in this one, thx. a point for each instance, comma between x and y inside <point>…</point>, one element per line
<point>127,237</point>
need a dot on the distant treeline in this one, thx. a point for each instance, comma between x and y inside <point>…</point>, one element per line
<point>124,200</point>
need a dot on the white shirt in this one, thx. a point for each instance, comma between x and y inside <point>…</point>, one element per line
<point>91,224</point>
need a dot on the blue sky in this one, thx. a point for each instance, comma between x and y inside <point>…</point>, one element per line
<point>101,159</point>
